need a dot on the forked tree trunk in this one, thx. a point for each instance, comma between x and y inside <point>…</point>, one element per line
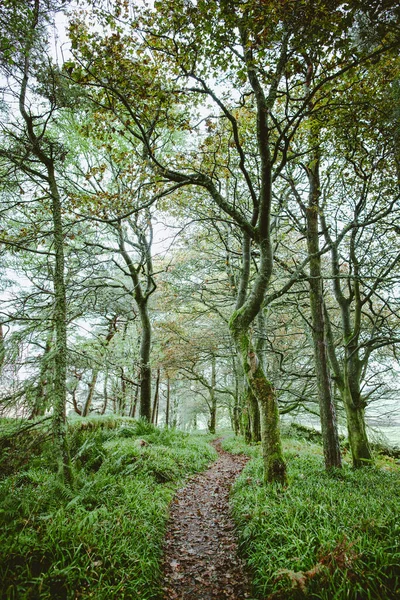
<point>142,294</point>
<point>348,377</point>
<point>89,397</point>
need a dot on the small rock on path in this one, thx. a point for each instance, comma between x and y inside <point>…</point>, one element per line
<point>201,560</point>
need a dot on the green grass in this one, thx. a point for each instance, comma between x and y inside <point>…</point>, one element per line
<point>104,539</point>
<point>327,536</point>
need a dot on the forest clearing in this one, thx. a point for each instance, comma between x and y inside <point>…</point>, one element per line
<point>200,307</point>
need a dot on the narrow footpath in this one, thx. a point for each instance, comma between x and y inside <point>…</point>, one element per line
<point>201,560</point>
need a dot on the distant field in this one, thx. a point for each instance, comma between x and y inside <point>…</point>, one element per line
<point>387,434</point>
<point>390,434</point>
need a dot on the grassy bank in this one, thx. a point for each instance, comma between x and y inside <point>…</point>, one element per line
<point>328,536</point>
<point>104,539</point>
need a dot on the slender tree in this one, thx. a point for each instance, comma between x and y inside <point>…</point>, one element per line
<point>35,153</point>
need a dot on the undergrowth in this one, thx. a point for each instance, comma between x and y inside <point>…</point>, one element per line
<point>327,536</point>
<point>103,539</point>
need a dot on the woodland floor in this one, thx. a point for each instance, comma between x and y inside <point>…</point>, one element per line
<point>201,559</point>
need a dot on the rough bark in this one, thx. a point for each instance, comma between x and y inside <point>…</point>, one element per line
<point>213,398</point>
<point>327,411</point>
<point>262,389</point>
<point>145,369</point>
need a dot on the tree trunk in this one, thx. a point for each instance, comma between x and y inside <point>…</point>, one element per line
<point>254,416</point>
<point>141,297</point>
<point>327,411</point>
<point>274,464</point>
<point>42,395</point>
<point>245,426</point>
<point>60,325</point>
<point>122,396</point>
<point>105,393</point>
<point>45,158</point>
<point>145,370</point>
<point>356,430</point>
<point>2,348</point>
<point>167,406</point>
<point>156,397</point>
<point>132,412</point>
<point>213,398</point>
<point>89,398</point>
<point>74,401</point>
<point>236,406</point>
<point>348,377</point>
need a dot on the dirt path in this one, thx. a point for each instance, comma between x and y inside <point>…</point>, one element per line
<point>201,561</point>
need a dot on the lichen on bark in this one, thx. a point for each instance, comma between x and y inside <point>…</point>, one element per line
<point>264,392</point>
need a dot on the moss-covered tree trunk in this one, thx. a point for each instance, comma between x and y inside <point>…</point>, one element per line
<point>60,326</point>
<point>254,416</point>
<point>263,390</point>
<point>358,439</point>
<point>39,163</point>
<point>355,413</point>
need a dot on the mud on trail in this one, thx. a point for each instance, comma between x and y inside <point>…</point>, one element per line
<point>201,560</point>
